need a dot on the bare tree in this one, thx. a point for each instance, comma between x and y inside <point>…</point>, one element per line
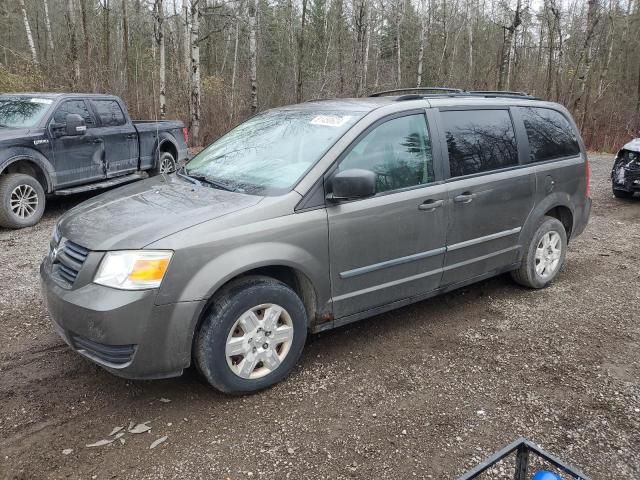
<point>47,26</point>
<point>299,84</point>
<point>253,56</point>
<point>162,72</point>
<point>73,42</point>
<point>195,72</point>
<point>505,56</point>
<point>27,27</point>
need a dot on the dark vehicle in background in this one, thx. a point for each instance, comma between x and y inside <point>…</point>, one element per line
<point>64,143</point>
<point>312,216</point>
<point>625,175</point>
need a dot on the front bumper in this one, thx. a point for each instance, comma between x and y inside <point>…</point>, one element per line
<point>122,331</point>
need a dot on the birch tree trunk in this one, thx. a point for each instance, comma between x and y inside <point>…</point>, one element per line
<point>592,22</point>
<point>253,56</point>
<point>232,107</point>
<point>85,32</point>
<point>73,42</point>
<point>195,73</point>
<point>421,49</point>
<point>27,27</point>
<point>398,44</point>
<point>106,33</point>
<point>505,57</point>
<point>47,26</point>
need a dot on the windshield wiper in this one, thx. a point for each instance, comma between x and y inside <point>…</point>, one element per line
<point>207,180</point>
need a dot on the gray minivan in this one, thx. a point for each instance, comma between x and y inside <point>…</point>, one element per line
<point>311,216</point>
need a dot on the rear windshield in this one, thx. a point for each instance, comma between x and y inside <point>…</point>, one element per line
<point>269,153</point>
<point>22,112</point>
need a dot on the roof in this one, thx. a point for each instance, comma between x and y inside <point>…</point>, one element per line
<point>53,95</point>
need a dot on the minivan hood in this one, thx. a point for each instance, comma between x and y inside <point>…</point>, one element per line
<point>140,213</point>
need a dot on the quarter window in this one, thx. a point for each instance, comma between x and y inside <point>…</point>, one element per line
<point>398,152</point>
<point>550,134</point>
<point>479,141</point>
<point>109,112</point>
<point>73,106</point>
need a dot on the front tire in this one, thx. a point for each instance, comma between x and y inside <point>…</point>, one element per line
<point>544,256</point>
<point>252,335</point>
<point>22,200</point>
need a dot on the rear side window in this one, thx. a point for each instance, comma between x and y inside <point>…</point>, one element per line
<point>73,106</point>
<point>479,141</point>
<point>109,112</point>
<point>398,152</point>
<point>550,134</point>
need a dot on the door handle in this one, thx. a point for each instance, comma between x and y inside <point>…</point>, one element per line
<point>96,140</point>
<point>430,205</point>
<point>465,197</point>
<point>131,135</point>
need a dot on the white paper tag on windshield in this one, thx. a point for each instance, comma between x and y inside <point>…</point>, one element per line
<point>44,101</point>
<point>330,120</point>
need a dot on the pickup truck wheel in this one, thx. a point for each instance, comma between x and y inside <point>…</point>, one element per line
<point>166,164</point>
<point>622,193</point>
<point>251,336</point>
<point>22,200</point>
<point>544,256</point>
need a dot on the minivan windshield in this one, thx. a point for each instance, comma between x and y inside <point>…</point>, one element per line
<point>22,112</point>
<point>269,153</point>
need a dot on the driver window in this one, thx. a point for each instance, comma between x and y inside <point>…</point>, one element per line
<point>398,152</point>
<point>73,106</point>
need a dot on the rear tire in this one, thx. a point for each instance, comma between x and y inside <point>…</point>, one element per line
<point>544,256</point>
<point>622,193</point>
<point>251,336</point>
<point>22,200</point>
<point>166,164</point>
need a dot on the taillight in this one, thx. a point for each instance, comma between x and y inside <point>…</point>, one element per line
<point>588,175</point>
<point>185,134</point>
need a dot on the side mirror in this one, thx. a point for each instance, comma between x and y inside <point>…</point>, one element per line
<point>75,124</point>
<point>353,183</point>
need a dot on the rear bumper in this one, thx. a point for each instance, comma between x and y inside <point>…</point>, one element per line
<point>122,331</point>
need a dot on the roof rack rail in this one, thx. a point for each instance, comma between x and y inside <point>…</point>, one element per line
<point>498,92</point>
<point>415,90</point>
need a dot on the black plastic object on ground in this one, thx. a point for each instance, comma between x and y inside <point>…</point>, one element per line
<point>523,449</point>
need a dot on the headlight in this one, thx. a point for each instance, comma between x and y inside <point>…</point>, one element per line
<point>133,269</point>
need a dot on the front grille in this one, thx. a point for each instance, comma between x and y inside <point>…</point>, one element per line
<point>113,354</point>
<point>69,260</point>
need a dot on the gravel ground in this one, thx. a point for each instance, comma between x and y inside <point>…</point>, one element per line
<point>426,391</point>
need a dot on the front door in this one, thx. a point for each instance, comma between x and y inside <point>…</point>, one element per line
<point>390,246</point>
<point>77,158</point>
<point>490,193</point>
<point>119,135</point>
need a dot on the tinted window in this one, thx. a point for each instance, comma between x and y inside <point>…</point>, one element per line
<point>398,152</point>
<point>109,112</point>
<point>550,134</point>
<point>22,112</point>
<point>479,140</point>
<point>73,106</point>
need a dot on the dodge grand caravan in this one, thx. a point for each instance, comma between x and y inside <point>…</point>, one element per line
<point>311,216</point>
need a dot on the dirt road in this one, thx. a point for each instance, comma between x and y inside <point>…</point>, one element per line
<point>423,392</point>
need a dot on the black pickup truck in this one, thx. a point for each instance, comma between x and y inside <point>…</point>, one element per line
<point>64,143</point>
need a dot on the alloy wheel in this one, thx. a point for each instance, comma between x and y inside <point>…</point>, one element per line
<point>23,201</point>
<point>548,254</point>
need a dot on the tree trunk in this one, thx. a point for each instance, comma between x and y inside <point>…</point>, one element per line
<point>27,27</point>
<point>505,57</point>
<point>85,30</point>
<point>470,21</point>
<point>125,44</point>
<point>47,26</point>
<point>232,106</point>
<point>195,73</point>
<point>187,39</point>
<point>585,55</point>
<point>398,45</point>
<point>73,42</point>
<point>159,8</point>
<point>365,64</point>
<point>106,34</point>
<point>253,56</point>
<point>421,49</point>
<point>299,86</point>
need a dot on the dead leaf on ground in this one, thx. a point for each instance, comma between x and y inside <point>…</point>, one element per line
<point>158,442</point>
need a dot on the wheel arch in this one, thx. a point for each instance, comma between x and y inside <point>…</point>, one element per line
<point>31,163</point>
<point>557,205</point>
<point>165,143</point>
